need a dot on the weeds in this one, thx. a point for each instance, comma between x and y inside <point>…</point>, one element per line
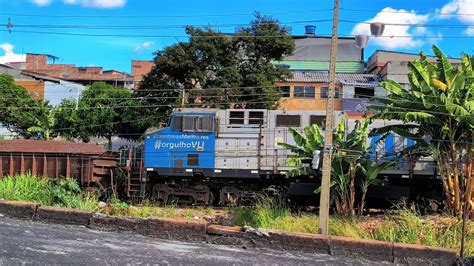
<point>404,225</point>
<point>50,192</point>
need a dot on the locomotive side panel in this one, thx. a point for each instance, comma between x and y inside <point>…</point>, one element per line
<point>186,146</point>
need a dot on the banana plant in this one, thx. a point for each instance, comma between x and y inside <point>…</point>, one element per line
<point>439,105</point>
<point>369,171</point>
<point>304,150</point>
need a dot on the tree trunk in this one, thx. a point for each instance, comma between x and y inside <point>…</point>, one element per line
<point>457,192</point>
<point>352,173</point>
<point>362,202</point>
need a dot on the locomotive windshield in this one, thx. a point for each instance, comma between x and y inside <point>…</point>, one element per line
<point>192,123</point>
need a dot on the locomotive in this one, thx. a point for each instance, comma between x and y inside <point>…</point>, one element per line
<point>212,156</point>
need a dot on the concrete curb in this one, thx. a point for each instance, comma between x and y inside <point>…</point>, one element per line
<point>199,231</point>
<point>18,209</point>
<point>63,215</point>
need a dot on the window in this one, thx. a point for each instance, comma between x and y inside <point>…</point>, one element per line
<point>188,123</point>
<point>255,118</point>
<point>304,92</point>
<point>317,119</point>
<point>360,92</point>
<point>288,121</point>
<point>177,122</point>
<point>193,159</point>
<point>204,123</point>
<point>325,92</point>
<point>236,117</point>
<point>284,90</point>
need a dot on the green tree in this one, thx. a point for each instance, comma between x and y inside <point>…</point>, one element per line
<point>18,110</point>
<point>102,111</point>
<point>214,69</point>
<point>437,111</point>
<point>44,125</point>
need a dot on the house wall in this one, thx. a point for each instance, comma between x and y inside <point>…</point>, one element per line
<point>34,87</point>
<point>317,103</point>
<point>85,75</point>
<point>140,68</point>
<point>56,92</point>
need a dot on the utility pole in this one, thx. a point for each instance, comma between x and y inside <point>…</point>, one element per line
<point>327,156</point>
<point>183,97</point>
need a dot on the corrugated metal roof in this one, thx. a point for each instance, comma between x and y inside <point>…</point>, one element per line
<point>350,79</point>
<point>41,146</point>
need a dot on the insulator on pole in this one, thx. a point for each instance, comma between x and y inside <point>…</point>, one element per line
<point>361,41</point>
<point>377,28</point>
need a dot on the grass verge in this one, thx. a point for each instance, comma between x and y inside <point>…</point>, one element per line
<point>46,191</point>
<point>402,225</point>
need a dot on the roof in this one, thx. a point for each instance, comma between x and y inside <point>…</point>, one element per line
<point>42,146</point>
<point>350,79</point>
<point>407,53</point>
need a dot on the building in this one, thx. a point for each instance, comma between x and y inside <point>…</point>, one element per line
<point>308,90</point>
<point>312,53</point>
<point>140,68</point>
<point>44,87</point>
<point>38,63</point>
<point>392,65</point>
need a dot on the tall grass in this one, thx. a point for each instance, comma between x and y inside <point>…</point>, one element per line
<point>45,191</point>
<point>403,226</point>
<point>26,187</point>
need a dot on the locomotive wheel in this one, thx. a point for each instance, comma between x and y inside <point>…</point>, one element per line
<point>182,194</point>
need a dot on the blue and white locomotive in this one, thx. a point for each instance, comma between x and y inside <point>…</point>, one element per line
<point>227,156</point>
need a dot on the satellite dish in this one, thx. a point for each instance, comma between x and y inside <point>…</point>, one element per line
<point>361,41</point>
<point>377,28</point>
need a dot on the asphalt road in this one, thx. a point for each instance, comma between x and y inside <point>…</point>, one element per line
<point>27,242</point>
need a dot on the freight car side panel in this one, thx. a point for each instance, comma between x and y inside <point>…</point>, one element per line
<point>169,148</point>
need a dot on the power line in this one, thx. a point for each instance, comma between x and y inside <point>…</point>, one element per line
<point>215,25</point>
<point>162,16</point>
<point>407,11</point>
<point>146,27</point>
<point>221,36</point>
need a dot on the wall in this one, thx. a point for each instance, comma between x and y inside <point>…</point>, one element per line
<point>140,68</point>
<point>55,93</point>
<point>316,103</point>
<point>34,87</point>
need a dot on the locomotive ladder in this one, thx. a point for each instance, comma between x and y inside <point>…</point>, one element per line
<point>134,168</point>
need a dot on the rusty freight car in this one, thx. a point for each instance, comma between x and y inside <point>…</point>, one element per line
<point>89,164</point>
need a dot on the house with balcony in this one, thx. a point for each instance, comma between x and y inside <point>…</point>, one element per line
<point>308,90</point>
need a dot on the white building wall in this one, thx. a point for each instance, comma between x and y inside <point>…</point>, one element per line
<point>54,93</point>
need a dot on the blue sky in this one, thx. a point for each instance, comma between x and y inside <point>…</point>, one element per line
<point>447,23</point>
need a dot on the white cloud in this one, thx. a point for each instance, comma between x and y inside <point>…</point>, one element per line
<point>97,3</point>
<point>469,31</point>
<point>9,55</point>
<point>143,46</point>
<point>463,9</point>
<point>41,2</point>
<point>392,16</point>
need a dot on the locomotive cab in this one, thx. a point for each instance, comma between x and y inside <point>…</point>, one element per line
<point>185,147</point>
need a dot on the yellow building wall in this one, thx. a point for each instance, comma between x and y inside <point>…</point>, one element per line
<point>307,104</point>
<point>34,87</point>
